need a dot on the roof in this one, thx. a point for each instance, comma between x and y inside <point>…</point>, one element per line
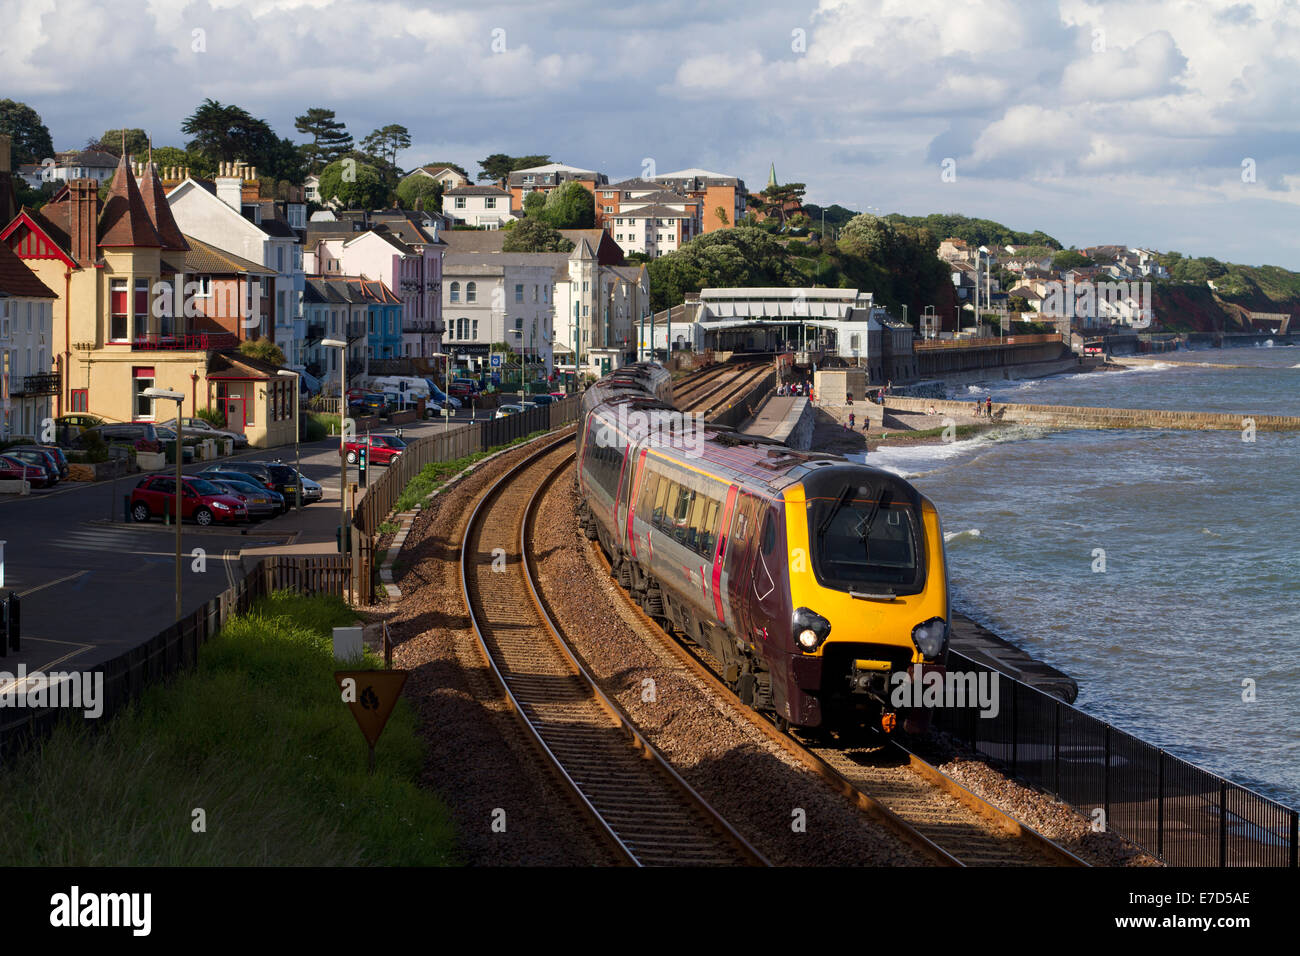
<point>554,168</point>
<point>124,220</point>
<point>17,280</point>
<point>385,235</point>
<point>89,157</point>
<point>635,184</point>
<point>695,173</point>
<point>583,250</point>
<point>241,365</point>
<point>474,240</point>
<point>477,191</point>
<point>160,211</point>
<point>652,211</point>
<point>205,259</point>
<point>494,263</point>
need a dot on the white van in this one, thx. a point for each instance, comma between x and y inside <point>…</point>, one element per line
<point>407,388</point>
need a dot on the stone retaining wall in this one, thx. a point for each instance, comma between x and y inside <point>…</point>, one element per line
<point>1076,416</point>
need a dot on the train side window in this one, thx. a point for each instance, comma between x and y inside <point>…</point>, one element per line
<point>769,534</point>
<point>696,530</point>
<point>681,513</point>
<point>663,495</point>
<point>708,533</point>
<point>647,496</point>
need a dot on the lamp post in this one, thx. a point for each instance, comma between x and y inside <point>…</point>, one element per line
<point>179,399</point>
<point>342,346</point>
<point>297,424</point>
<point>577,331</point>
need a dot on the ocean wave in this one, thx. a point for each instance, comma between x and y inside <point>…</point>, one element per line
<point>954,535</point>
<point>917,461</point>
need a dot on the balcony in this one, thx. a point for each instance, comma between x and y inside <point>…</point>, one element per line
<point>188,342</point>
<point>315,332</point>
<point>45,383</point>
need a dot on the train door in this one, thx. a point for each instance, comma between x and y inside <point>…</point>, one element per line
<point>741,553</point>
<point>632,488</point>
<point>720,576</point>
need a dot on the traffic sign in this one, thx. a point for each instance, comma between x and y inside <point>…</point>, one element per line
<point>496,360</point>
<point>371,696</point>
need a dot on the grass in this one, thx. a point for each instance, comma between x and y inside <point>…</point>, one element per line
<point>318,425</point>
<point>388,527</point>
<point>258,738</point>
<point>959,431</point>
<point>435,474</point>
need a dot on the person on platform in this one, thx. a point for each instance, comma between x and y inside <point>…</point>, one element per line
<point>988,406</point>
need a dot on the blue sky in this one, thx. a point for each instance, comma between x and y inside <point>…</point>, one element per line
<point>1115,122</point>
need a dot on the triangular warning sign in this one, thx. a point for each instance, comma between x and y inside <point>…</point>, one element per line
<point>371,695</point>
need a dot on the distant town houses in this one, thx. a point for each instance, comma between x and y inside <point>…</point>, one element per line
<point>547,178</point>
<point>448,176</point>
<point>70,164</point>
<point>485,207</point>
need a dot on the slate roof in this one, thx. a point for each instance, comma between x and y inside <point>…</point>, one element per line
<point>17,280</point>
<point>124,220</point>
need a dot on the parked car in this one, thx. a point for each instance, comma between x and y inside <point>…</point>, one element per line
<point>15,469</point>
<point>461,391</point>
<point>54,451</point>
<point>284,479</point>
<point>311,491</point>
<point>254,469</point>
<point>380,449</point>
<point>205,429</point>
<point>369,404</point>
<point>142,436</point>
<point>201,500</point>
<point>541,399</point>
<point>260,502</point>
<point>441,397</point>
<point>43,460</point>
<point>68,427</point>
<point>506,410</point>
<point>472,384</point>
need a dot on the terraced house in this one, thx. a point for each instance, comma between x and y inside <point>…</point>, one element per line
<point>123,274</point>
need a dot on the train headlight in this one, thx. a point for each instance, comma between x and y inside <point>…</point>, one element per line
<point>810,629</point>
<point>931,637</point>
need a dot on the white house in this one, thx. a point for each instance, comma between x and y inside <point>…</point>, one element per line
<point>482,206</point>
<point>449,177</point>
<point>219,215</point>
<point>499,297</point>
<point>72,164</point>
<point>28,385</point>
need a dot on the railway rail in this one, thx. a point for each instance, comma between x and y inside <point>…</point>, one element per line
<point>717,389</point>
<point>647,812</point>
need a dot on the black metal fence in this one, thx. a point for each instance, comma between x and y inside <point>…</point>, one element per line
<point>1177,811</point>
<point>176,647</point>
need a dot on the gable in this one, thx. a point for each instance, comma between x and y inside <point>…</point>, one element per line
<point>29,241</point>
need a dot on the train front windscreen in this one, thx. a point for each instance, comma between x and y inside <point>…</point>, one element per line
<point>866,533</point>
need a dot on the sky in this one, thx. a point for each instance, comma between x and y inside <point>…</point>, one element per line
<point>1170,124</point>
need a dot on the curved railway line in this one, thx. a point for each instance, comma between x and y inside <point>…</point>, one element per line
<point>647,812</point>
<point>718,385</point>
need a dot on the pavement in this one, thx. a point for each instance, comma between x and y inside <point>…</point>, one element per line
<point>94,584</point>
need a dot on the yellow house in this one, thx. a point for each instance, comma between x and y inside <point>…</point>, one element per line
<point>121,325</point>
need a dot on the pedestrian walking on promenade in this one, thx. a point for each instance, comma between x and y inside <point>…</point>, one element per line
<point>851,421</point>
<point>988,406</point>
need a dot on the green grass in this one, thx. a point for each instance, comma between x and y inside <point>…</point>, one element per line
<point>435,474</point>
<point>388,527</point>
<point>318,425</point>
<point>258,737</point>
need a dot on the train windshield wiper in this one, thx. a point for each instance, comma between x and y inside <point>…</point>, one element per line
<point>863,527</point>
<point>840,502</point>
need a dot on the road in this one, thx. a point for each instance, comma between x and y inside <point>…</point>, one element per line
<point>93,584</point>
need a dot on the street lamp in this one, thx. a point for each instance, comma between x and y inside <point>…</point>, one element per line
<point>342,346</point>
<point>179,399</point>
<point>297,423</point>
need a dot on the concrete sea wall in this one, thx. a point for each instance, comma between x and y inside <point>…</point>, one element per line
<point>1077,416</point>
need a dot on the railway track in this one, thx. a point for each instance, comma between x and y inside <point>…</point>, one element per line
<point>930,811</point>
<point>648,814</point>
<point>720,390</point>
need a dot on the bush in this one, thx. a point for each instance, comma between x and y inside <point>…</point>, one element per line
<point>213,416</point>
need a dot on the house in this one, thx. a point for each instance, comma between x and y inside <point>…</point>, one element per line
<point>124,317</point>
<point>70,164</point>
<point>499,297</point>
<point>229,214</point>
<point>543,179</point>
<point>334,308</point>
<point>28,387</point>
<point>722,199</point>
<point>485,207</point>
<point>311,188</point>
<point>449,177</point>
<point>956,250</point>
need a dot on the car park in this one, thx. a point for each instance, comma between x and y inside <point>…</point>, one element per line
<point>52,451</point>
<point>442,398</point>
<point>285,480</point>
<point>42,460</point>
<point>15,469</point>
<point>258,501</point>
<point>255,469</point>
<point>168,435</point>
<point>204,429</point>
<point>379,449</point>
<point>248,484</point>
<point>201,500</point>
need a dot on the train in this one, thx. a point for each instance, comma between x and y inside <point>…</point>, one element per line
<point>818,586</point>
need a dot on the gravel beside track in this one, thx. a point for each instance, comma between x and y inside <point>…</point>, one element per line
<point>749,780</point>
<point>479,757</point>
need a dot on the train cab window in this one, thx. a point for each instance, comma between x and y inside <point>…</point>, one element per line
<point>866,535</point>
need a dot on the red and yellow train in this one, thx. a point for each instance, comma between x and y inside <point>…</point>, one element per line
<point>814,582</point>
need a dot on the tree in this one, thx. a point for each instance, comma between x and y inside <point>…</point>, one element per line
<point>386,143</point>
<point>1069,259</point>
<point>354,184</point>
<point>775,200</point>
<point>744,256</point>
<point>31,138</point>
<point>499,166</point>
<point>226,133</point>
<point>165,156</point>
<point>570,206</point>
<point>421,188</point>
<point>137,142</point>
<point>263,349</point>
<point>721,213</point>
<point>330,138</point>
<point>534,235</point>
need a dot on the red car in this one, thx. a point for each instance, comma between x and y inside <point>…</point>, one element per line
<point>380,449</point>
<point>203,501</point>
<point>15,469</point>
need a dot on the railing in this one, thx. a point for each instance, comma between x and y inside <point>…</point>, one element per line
<point>176,647</point>
<point>382,493</point>
<point>187,342</point>
<point>1177,811</point>
<point>44,383</point>
<point>1035,339</point>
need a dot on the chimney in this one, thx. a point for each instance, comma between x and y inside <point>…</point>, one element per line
<point>230,186</point>
<point>83,220</point>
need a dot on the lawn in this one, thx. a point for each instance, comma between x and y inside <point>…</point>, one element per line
<point>258,738</point>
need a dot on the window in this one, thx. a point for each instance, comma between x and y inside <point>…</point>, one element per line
<point>620,237</point>
<point>279,258</point>
<point>142,378</point>
<point>490,202</point>
<point>609,210</point>
<point>528,179</point>
<point>607,195</point>
<point>141,305</point>
<point>519,292</point>
<point>586,286</point>
<point>534,293</point>
<point>460,202</point>
<point>204,284</point>
<point>455,292</point>
<point>618,222</point>
<point>586,311</point>
<point>471,292</point>
<point>117,307</point>
<point>519,325</point>
<point>80,400</point>
<point>474,329</point>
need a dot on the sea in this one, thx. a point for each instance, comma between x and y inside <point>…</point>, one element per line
<point>1159,569</point>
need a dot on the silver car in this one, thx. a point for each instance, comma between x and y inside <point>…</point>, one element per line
<point>202,429</point>
<point>258,505</point>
